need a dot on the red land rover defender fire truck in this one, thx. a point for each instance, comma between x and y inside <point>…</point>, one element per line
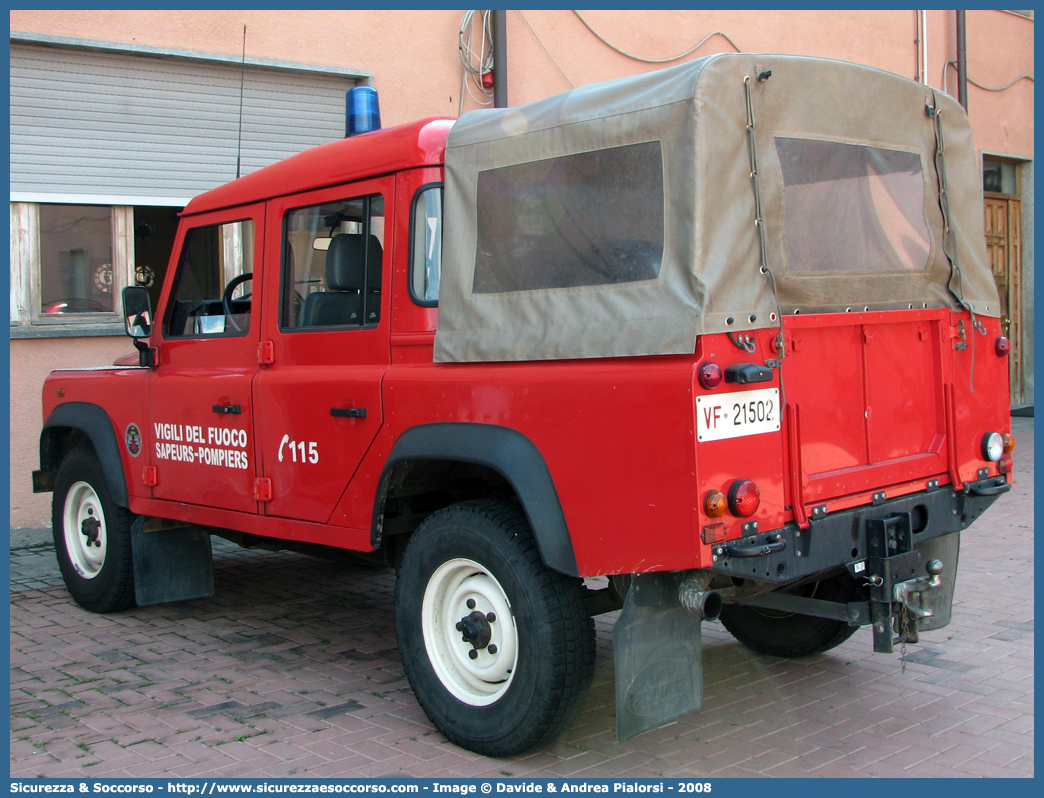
<point>725,334</point>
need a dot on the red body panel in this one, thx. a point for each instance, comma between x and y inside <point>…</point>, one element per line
<point>202,456</point>
<point>310,455</point>
<point>121,391</point>
<point>382,152</point>
<point>875,402</point>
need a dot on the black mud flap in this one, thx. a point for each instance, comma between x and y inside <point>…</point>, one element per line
<point>172,564</point>
<point>658,658</point>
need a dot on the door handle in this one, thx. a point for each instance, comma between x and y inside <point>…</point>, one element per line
<point>228,409</point>
<point>348,412</point>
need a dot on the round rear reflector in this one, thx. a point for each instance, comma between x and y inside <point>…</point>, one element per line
<point>1002,346</point>
<point>992,446</point>
<point>709,375</point>
<point>744,498</point>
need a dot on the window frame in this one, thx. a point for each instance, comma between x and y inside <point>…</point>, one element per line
<point>25,270</point>
<point>1000,159</point>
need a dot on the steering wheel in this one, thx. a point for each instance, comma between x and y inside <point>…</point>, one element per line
<point>226,297</point>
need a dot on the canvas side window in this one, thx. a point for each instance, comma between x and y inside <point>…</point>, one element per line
<point>426,246</point>
<point>591,218</point>
<point>852,208</point>
<point>332,255</point>
<point>213,286</point>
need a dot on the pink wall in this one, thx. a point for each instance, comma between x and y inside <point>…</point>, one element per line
<point>417,72</point>
<point>31,361</point>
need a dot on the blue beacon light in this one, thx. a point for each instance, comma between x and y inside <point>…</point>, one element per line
<point>362,112</point>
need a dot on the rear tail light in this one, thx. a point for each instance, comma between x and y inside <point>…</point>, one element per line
<point>715,505</point>
<point>744,498</point>
<point>1002,346</point>
<point>992,446</point>
<point>709,375</point>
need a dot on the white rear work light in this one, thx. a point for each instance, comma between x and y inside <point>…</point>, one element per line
<point>992,446</point>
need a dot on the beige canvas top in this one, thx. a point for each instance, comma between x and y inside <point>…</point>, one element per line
<point>620,218</point>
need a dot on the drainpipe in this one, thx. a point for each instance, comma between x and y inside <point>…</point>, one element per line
<point>962,63</point>
<point>500,74</point>
<point>924,47</point>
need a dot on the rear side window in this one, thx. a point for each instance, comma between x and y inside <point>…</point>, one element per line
<point>212,289</point>
<point>592,218</point>
<point>332,259</point>
<point>852,208</point>
<point>426,246</point>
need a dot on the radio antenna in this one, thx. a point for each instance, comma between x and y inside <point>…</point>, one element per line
<point>242,76</point>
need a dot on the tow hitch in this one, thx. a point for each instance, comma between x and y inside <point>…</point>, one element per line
<point>911,594</point>
<point>893,569</point>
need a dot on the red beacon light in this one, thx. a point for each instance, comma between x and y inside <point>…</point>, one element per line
<point>1002,346</point>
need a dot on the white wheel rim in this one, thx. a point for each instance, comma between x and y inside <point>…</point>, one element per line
<point>483,680</point>
<point>86,551</point>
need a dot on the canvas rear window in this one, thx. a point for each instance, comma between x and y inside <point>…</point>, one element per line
<point>852,208</point>
<point>591,218</point>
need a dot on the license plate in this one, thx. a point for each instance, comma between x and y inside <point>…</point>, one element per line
<point>733,415</point>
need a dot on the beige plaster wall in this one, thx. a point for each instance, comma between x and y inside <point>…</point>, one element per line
<point>32,359</point>
<point>417,70</point>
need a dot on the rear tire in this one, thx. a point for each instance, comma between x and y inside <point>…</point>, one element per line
<point>787,634</point>
<point>91,536</point>
<point>471,580</point>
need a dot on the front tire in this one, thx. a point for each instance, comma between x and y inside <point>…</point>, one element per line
<point>498,649</point>
<point>788,634</point>
<point>91,536</point>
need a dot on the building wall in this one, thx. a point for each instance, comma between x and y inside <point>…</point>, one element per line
<point>31,361</point>
<point>417,68</point>
<point>413,56</point>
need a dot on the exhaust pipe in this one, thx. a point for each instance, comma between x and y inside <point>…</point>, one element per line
<point>694,596</point>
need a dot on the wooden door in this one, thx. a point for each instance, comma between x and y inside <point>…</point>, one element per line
<point>1004,247</point>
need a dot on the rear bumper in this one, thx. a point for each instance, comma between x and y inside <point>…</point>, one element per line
<point>840,539</point>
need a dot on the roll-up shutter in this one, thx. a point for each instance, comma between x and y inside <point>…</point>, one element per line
<point>122,124</point>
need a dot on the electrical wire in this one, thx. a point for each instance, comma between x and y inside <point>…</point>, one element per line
<point>541,43</point>
<point>476,64</point>
<point>946,72</point>
<point>692,49</point>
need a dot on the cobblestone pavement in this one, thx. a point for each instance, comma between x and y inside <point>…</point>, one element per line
<point>291,669</point>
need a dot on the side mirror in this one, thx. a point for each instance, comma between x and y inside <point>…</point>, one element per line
<point>137,317</point>
<point>137,311</point>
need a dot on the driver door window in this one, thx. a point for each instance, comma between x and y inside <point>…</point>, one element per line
<point>212,292</point>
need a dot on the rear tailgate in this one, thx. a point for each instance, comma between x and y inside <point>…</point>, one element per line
<point>866,405</point>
